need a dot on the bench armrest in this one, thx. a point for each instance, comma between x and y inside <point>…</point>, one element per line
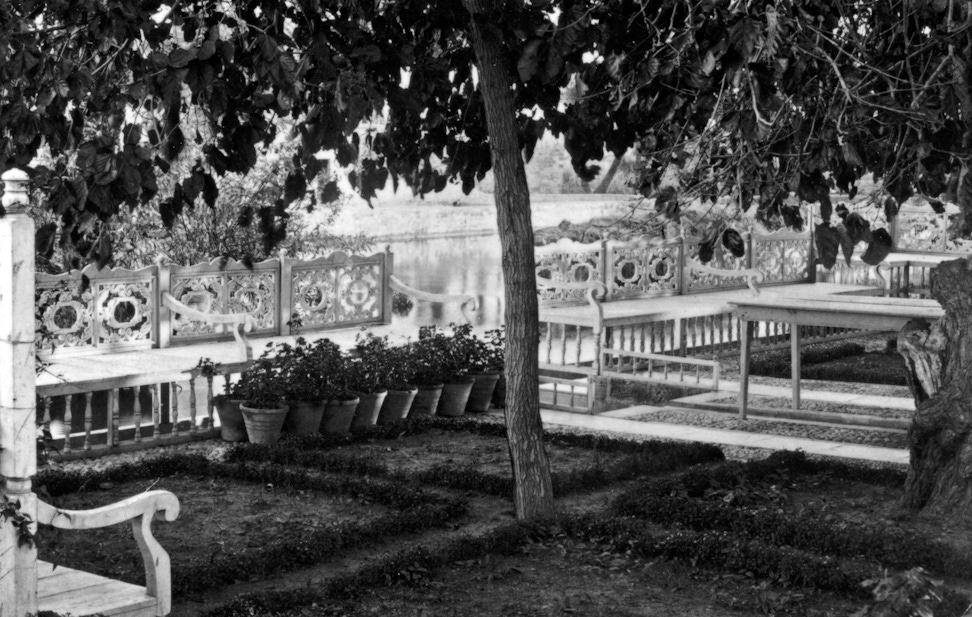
<point>466,302</point>
<point>751,275</point>
<point>596,292</point>
<point>241,322</point>
<point>140,510</point>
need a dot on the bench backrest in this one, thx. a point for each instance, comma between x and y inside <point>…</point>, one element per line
<point>114,309</point>
<point>566,261</point>
<point>646,267</point>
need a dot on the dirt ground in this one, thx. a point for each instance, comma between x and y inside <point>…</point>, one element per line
<point>556,576</point>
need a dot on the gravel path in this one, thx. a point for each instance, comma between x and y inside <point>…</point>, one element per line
<point>843,434</point>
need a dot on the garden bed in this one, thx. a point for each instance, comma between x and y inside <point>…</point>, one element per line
<point>657,527</point>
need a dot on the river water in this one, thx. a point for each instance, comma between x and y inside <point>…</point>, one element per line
<point>457,265</point>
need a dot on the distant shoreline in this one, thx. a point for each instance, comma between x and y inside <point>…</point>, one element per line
<point>416,220</point>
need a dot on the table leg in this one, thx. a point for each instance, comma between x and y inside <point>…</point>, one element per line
<point>795,363</point>
<point>745,341</point>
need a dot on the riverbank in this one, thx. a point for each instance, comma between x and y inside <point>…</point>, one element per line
<point>406,219</point>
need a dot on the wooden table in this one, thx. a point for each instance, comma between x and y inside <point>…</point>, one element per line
<point>842,311</point>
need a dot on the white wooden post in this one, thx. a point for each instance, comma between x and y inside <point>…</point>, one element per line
<point>18,422</point>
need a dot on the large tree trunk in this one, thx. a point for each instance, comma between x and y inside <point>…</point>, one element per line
<point>531,470</point>
<point>939,360</point>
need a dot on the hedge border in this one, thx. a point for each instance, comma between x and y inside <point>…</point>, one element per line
<point>642,457</point>
<point>417,510</point>
<point>712,550</point>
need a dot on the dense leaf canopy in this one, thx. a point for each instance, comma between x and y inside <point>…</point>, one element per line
<point>770,102</point>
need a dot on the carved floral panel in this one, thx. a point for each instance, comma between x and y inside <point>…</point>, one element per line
<point>203,293</point>
<point>254,293</point>
<point>722,259</point>
<point>359,292</point>
<point>782,260</point>
<point>334,295</point>
<point>645,269</point>
<point>64,316</point>
<point>126,311</point>
<point>572,267</point>
<point>920,231</point>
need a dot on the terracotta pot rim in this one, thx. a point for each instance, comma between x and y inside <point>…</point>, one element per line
<point>463,379</point>
<point>361,393</point>
<point>343,401</point>
<point>412,388</point>
<point>245,407</point>
<point>429,386</point>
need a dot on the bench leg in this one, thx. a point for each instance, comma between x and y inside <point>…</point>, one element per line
<point>745,341</point>
<point>795,363</point>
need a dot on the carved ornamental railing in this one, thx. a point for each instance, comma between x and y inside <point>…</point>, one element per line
<point>922,230</point>
<point>646,267</point>
<point>115,309</point>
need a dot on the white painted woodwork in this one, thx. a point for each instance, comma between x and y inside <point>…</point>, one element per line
<point>18,413</point>
<point>844,311</point>
<point>63,590</point>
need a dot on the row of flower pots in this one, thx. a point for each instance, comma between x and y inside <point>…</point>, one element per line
<point>309,387</point>
<point>239,422</point>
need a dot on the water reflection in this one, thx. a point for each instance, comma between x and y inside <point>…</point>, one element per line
<point>468,265</point>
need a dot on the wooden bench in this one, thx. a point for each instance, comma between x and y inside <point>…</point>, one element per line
<point>67,591</point>
<point>660,305</point>
<point>27,585</point>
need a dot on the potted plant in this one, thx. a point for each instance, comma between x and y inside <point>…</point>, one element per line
<point>486,360</point>
<point>305,369</point>
<point>231,426</point>
<point>453,352</point>
<point>367,375</point>
<point>401,392</point>
<point>427,364</point>
<point>264,408</point>
<point>331,372</point>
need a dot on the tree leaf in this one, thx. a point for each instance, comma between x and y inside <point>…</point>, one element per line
<point>104,251</point>
<point>878,248</point>
<point>732,240</point>
<point>890,208</point>
<point>294,187</point>
<point>706,250</point>
<point>528,64</point>
<point>858,229</point>
<point>44,239</point>
<point>846,244</point>
<point>210,190</point>
<point>827,243</point>
<point>330,192</point>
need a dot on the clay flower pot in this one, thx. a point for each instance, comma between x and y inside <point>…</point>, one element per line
<point>264,425</point>
<point>397,405</point>
<point>338,415</point>
<point>231,425</point>
<point>426,400</point>
<point>304,417</point>
<point>368,408</point>
<point>481,396</point>
<point>455,394</point>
